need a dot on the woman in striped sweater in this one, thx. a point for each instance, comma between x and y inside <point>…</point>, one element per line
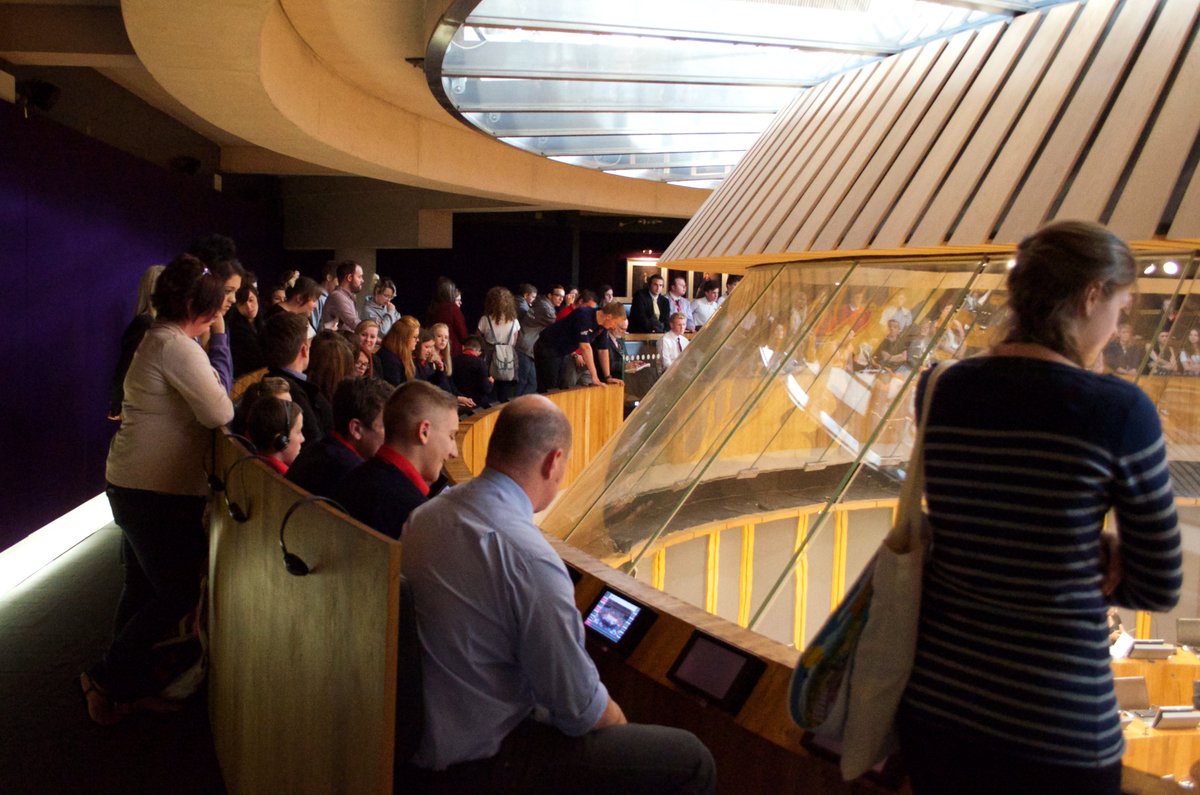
<point>1026,451</point>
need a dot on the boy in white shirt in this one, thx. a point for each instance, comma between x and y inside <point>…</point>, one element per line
<point>673,342</point>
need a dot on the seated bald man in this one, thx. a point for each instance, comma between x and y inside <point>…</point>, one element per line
<point>419,425</point>
<point>512,700</point>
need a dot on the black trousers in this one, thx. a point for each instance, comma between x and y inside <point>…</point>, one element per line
<point>535,758</point>
<point>163,550</point>
<point>944,763</point>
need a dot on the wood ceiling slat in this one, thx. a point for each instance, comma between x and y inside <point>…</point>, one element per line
<point>1149,188</point>
<point>990,199</point>
<point>1033,202</point>
<point>1000,118</point>
<point>954,136</point>
<point>788,200</point>
<point>1186,225</point>
<point>864,185</point>
<point>1093,186</point>
<point>862,149</point>
<point>757,198</point>
<point>747,169</point>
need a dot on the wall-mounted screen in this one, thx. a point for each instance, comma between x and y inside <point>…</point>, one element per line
<point>722,674</point>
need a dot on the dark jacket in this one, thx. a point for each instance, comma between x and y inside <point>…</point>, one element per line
<point>378,495</point>
<point>320,467</point>
<point>318,414</point>
<point>130,339</point>
<point>471,379</point>
<point>243,343</point>
<point>642,320</point>
<point>389,367</point>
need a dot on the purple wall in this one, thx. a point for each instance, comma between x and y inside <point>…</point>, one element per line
<point>79,222</point>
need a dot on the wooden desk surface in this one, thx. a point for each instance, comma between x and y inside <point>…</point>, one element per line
<point>1166,752</point>
<point>1169,681</point>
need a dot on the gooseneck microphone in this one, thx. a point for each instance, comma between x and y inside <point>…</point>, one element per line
<point>292,562</point>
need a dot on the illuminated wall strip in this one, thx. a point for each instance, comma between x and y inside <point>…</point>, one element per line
<point>801,573</point>
<point>746,576</point>
<point>29,555</point>
<point>711,571</point>
<point>658,569</point>
<point>841,535</point>
<point>1142,628</point>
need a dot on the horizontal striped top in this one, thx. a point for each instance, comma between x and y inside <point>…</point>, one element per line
<point>1023,459</point>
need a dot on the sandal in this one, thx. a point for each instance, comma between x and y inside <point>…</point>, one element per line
<point>101,709</point>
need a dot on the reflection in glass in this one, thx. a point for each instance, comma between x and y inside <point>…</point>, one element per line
<point>759,474</point>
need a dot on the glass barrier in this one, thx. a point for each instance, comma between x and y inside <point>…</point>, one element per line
<point>760,472</point>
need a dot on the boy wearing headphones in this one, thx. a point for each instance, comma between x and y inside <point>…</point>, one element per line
<point>275,427</point>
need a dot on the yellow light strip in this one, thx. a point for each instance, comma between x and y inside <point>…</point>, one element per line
<point>658,569</point>
<point>746,576</point>
<point>1142,628</point>
<point>801,572</point>
<point>841,536</point>
<point>711,572</point>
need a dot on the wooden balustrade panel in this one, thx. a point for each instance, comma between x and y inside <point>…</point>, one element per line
<point>595,414</point>
<point>302,685</point>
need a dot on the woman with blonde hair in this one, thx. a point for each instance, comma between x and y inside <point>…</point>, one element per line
<point>367,335</point>
<point>441,348</point>
<point>396,352</point>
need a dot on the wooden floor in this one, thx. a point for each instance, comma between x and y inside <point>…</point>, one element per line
<point>51,627</point>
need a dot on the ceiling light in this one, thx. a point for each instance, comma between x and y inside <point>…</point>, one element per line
<point>1170,268</point>
<point>1012,263</point>
<point>1149,269</point>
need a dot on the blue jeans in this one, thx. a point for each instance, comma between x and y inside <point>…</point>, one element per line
<point>163,549</point>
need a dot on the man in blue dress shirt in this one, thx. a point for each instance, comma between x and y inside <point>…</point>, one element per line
<point>512,699</point>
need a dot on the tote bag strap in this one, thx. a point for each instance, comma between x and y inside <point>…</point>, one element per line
<point>902,536</point>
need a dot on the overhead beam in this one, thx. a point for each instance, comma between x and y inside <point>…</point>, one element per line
<point>54,35</point>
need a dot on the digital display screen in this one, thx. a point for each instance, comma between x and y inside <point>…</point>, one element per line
<point>710,668</point>
<point>612,616</point>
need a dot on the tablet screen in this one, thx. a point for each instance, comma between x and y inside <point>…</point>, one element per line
<point>710,668</point>
<point>612,616</point>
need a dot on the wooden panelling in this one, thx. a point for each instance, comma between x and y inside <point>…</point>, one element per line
<point>876,86</point>
<point>863,188</point>
<point>1166,151</point>
<point>1096,181</point>
<point>756,200</point>
<point>862,145</point>
<point>303,669</point>
<point>993,129</point>
<point>908,160</point>
<point>1032,127</point>
<point>954,136</point>
<point>1055,113</point>
<point>1033,203</point>
<point>595,414</point>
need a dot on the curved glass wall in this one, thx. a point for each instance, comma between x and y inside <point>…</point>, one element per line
<point>760,473</point>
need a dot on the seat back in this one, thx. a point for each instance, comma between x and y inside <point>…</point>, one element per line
<point>410,702</point>
<point>1132,692</point>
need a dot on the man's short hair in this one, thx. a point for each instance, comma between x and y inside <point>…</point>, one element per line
<point>282,337</point>
<point>653,277</point>
<point>359,399</point>
<point>527,429</point>
<point>412,402</point>
<point>614,309</point>
<point>329,270</point>
<point>345,268</point>
<point>305,289</point>
<point>473,342</point>
<point>526,289</point>
<point>677,316</point>
<point>585,297</point>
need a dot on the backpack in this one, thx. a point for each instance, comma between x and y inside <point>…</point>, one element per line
<point>502,356</point>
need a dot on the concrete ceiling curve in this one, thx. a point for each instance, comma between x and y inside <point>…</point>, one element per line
<point>326,82</point>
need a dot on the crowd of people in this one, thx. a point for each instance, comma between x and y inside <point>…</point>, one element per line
<point>364,406</point>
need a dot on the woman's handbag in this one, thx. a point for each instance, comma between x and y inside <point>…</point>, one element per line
<point>848,683</point>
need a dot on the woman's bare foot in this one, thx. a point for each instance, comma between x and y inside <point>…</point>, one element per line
<point>101,709</point>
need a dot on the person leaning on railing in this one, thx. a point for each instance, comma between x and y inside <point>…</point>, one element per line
<point>1025,452</point>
